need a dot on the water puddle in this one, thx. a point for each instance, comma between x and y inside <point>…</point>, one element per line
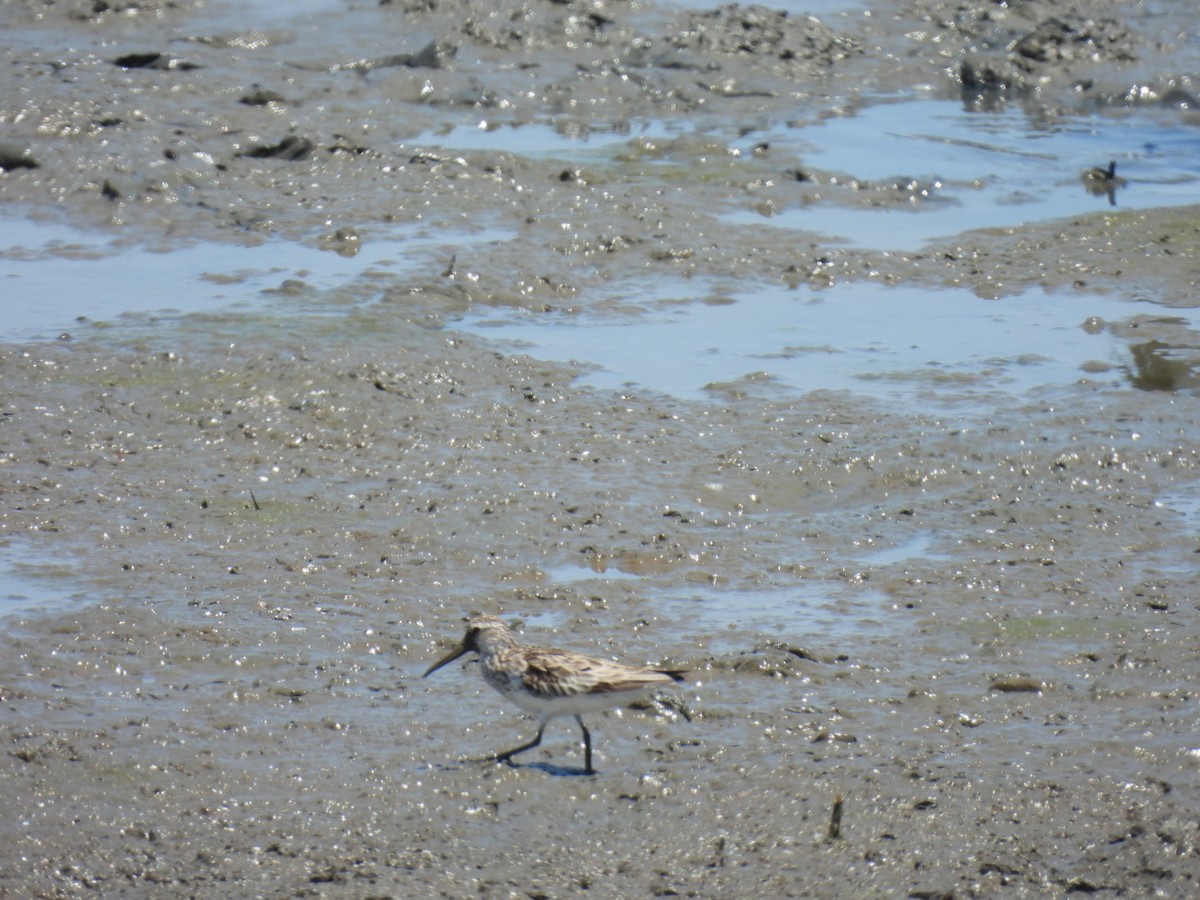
<point>791,7</point>
<point>993,169</point>
<point>724,619</point>
<point>916,547</point>
<point>635,566</point>
<point>54,275</point>
<point>972,169</point>
<point>315,14</point>
<point>885,341</point>
<point>1185,503</point>
<point>125,30</point>
<point>35,582</point>
<point>840,613</point>
<point>567,138</point>
<point>574,574</point>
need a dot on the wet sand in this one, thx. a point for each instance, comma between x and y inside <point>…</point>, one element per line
<point>277,525</point>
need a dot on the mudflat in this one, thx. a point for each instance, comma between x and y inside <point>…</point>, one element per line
<point>934,651</point>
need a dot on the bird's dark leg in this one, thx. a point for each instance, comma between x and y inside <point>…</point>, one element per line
<point>587,747</point>
<point>507,755</point>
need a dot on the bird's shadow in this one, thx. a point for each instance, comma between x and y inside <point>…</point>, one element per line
<point>556,771</point>
<point>548,768</point>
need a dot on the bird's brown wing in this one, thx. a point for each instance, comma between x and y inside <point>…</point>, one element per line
<point>559,673</point>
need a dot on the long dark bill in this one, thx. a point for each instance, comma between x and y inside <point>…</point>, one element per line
<point>446,660</point>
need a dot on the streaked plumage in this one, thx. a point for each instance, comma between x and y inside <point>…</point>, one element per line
<point>548,683</point>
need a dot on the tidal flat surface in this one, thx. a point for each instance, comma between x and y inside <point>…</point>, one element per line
<point>814,349</point>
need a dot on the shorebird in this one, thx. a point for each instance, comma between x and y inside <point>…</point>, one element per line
<point>548,683</point>
<point>1104,181</point>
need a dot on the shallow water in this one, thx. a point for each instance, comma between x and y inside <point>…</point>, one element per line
<point>973,170</point>
<point>965,169</point>
<point>844,615</point>
<point>54,275</point>
<point>925,347</point>
<point>957,168</point>
<point>32,581</point>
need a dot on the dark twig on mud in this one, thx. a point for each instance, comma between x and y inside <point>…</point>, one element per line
<point>835,819</point>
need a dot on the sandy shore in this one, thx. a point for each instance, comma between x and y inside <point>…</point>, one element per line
<point>277,526</point>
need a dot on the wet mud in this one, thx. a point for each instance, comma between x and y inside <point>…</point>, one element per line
<point>274,525</point>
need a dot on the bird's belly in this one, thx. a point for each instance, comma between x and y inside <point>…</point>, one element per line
<point>547,706</point>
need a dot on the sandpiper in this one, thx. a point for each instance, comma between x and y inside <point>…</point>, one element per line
<point>1104,181</point>
<point>549,683</point>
